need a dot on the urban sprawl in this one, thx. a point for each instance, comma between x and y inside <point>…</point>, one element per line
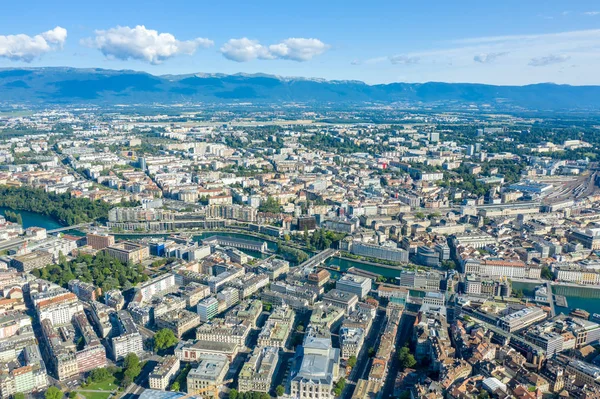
<point>312,256</point>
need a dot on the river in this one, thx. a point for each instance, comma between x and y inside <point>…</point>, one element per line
<point>577,297</point>
<point>31,219</point>
<point>585,298</point>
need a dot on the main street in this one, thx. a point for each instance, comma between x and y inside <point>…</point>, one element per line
<point>402,338</point>
<point>363,361</point>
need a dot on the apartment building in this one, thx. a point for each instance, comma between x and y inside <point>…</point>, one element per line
<point>274,268</point>
<point>257,373</point>
<point>248,310</point>
<point>163,373</point>
<point>99,241</point>
<point>114,299</point>
<point>178,321</point>
<point>84,291</point>
<point>130,340</point>
<point>351,341</point>
<point>220,331</point>
<point>277,328</point>
<point>576,274</point>
<point>499,268</point>
<point>194,293</point>
<point>157,285</point>
<point>25,374</point>
<point>59,309</point>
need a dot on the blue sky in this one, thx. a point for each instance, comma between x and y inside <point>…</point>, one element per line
<point>502,42</point>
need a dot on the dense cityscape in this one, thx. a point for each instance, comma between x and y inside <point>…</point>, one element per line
<point>168,253</point>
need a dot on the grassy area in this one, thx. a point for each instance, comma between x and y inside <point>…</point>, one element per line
<point>108,385</point>
<point>94,395</point>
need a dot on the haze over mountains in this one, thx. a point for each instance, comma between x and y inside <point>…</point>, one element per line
<point>101,86</point>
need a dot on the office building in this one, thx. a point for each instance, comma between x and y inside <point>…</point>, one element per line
<point>341,299</point>
<point>358,285</point>
<point>379,252</point>
<point>33,260</point>
<point>523,318</point>
<point>207,376</point>
<point>208,308</point>
<point>128,252</point>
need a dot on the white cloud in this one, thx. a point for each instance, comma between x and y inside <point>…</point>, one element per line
<point>591,13</point>
<point>26,48</point>
<point>298,49</point>
<point>488,58</point>
<point>295,49</point>
<point>244,49</point>
<point>548,60</point>
<point>140,43</point>
<point>403,60</point>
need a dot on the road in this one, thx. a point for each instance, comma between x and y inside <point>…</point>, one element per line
<point>404,334</point>
<point>11,243</point>
<point>363,361</point>
<point>139,385</point>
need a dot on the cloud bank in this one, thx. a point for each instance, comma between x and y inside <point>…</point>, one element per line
<point>140,43</point>
<point>26,48</point>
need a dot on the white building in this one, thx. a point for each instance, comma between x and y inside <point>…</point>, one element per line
<point>361,286</point>
<point>318,369</point>
<point>163,373</point>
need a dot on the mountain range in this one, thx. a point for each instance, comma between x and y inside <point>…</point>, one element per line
<point>59,85</point>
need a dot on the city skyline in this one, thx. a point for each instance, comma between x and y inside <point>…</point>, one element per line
<point>507,44</point>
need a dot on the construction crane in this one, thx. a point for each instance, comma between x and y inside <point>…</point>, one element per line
<point>213,388</point>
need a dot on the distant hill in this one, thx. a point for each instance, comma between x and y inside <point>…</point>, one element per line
<point>101,86</point>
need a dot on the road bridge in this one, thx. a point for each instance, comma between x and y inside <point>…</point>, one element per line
<point>73,227</point>
<point>551,298</point>
<point>318,258</point>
